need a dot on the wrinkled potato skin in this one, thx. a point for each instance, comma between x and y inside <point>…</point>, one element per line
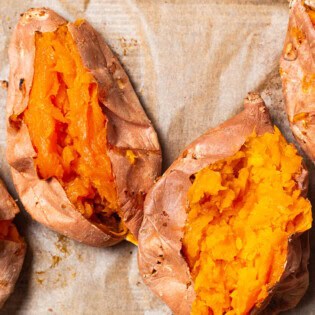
<point>11,253</point>
<point>161,263</point>
<point>296,68</point>
<point>128,128</point>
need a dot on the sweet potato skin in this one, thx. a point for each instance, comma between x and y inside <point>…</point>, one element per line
<point>128,128</point>
<point>161,263</point>
<point>297,69</point>
<point>11,253</point>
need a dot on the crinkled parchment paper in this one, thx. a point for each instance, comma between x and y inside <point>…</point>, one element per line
<point>192,63</point>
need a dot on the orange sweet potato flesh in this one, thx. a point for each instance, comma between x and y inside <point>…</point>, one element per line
<point>82,151</point>
<point>226,228</point>
<point>68,129</point>
<point>242,211</point>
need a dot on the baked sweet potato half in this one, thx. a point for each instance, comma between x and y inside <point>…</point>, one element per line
<point>297,69</point>
<point>225,229</point>
<point>12,246</point>
<point>82,151</point>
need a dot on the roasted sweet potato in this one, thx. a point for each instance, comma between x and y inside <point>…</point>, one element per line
<point>12,246</point>
<point>297,69</point>
<point>82,151</point>
<point>225,229</point>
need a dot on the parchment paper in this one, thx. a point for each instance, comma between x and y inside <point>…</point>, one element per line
<point>192,63</point>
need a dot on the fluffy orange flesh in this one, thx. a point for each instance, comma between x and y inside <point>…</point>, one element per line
<point>242,211</point>
<point>68,129</point>
<point>9,232</point>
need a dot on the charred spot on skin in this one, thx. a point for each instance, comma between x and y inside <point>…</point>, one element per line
<point>290,52</point>
<point>192,178</point>
<point>153,272</point>
<point>4,84</point>
<point>194,156</point>
<point>160,259</point>
<point>15,121</point>
<point>164,213</point>
<point>112,68</point>
<point>22,86</point>
<point>188,284</point>
<point>164,224</point>
<point>185,154</point>
<point>34,13</point>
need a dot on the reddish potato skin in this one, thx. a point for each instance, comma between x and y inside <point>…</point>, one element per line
<point>128,128</point>
<point>296,68</point>
<point>161,263</point>
<point>11,253</point>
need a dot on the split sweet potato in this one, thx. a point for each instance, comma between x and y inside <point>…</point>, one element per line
<point>82,151</point>
<point>225,229</point>
<point>12,246</point>
<point>297,69</point>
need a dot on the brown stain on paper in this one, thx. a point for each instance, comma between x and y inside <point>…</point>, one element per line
<point>61,245</point>
<point>127,45</point>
